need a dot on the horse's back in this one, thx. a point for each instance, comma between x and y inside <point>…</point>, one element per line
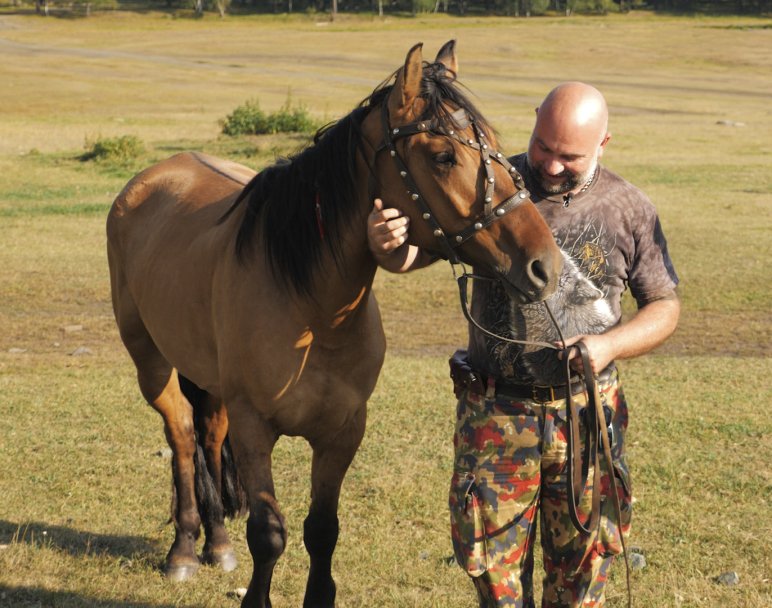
<point>165,244</point>
<point>179,185</point>
<point>164,210</point>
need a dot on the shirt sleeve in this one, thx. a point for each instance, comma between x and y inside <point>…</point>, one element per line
<point>652,275</point>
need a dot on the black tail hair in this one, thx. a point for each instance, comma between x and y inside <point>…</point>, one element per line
<point>234,499</point>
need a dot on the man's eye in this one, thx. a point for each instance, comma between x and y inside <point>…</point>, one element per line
<point>445,158</point>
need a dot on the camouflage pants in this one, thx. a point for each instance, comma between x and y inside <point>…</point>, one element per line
<point>510,469</point>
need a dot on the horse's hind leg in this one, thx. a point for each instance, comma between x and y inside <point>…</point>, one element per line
<point>332,457</point>
<point>160,386</point>
<point>181,561</point>
<point>211,422</point>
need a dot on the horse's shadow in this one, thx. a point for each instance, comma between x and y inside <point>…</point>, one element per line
<point>74,542</point>
<point>43,598</point>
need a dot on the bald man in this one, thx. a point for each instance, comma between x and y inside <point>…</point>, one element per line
<point>510,438</point>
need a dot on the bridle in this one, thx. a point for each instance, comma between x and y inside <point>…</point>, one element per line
<point>596,433</point>
<point>449,243</point>
<point>461,119</point>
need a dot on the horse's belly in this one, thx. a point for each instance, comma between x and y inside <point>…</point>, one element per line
<point>295,380</point>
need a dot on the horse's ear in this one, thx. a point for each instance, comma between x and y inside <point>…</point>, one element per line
<point>447,56</point>
<point>408,85</point>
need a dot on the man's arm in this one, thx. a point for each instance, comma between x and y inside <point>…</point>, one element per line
<point>648,328</point>
<point>387,239</point>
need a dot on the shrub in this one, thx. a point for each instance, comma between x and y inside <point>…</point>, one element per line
<point>249,119</point>
<point>289,120</point>
<point>246,119</point>
<point>115,149</point>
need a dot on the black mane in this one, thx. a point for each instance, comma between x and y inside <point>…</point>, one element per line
<point>282,199</point>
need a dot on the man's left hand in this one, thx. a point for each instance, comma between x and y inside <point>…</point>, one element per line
<point>599,349</point>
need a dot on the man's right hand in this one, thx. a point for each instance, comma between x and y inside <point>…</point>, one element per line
<point>386,229</point>
<point>387,240</point>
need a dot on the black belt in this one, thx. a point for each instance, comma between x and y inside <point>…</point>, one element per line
<point>466,378</point>
<point>536,392</point>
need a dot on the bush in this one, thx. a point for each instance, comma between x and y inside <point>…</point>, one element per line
<point>289,120</point>
<point>246,119</point>
<point>114,149</point>
<point>249,119</point>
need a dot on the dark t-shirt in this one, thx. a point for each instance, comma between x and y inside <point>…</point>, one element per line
<point>611,239</point>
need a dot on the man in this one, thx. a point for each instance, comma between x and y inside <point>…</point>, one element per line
<point>510,439</point>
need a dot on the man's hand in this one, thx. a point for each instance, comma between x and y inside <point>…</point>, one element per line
<point>648,328</point>
<point>386,229</point>
<point>599,349</point>
<point>387,240</point>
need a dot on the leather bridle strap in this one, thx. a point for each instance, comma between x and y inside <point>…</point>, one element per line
<point>460,118</point>
<point>462,280</point>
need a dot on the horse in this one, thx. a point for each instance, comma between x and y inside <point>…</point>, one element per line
<point>254,291</point>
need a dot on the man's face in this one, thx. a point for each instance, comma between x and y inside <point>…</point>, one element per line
<point>563,162</point>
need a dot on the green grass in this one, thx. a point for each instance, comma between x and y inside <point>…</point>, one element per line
<point>85,495</point>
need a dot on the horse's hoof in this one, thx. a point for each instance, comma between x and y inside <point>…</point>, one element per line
<point>225,559</point>
<point>179,573</point>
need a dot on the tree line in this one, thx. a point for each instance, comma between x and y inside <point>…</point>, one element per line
<point>514,8</point>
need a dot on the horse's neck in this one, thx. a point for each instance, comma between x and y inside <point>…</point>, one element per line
<point>341,289</point>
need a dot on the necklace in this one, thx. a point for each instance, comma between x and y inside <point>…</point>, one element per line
<point>588,183</point>
<point>567,197</point>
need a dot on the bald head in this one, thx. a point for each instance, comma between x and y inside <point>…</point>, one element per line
<point>570,134</point>
<point>575,107</point>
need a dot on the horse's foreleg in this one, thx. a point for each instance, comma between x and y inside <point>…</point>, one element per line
<point>253,440</point>
<point>332,457</point>
<point>181,562</point>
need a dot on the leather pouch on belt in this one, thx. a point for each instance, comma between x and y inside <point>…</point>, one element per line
<point>463,375</point>
<point>467,526</point>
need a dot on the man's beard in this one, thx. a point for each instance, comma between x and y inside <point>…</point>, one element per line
<point>572,180</point>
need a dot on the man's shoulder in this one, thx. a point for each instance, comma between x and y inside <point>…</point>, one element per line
<point>620,189</point>
<point>518,160</point>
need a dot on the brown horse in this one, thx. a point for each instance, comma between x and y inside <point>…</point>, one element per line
<point>260,295</point>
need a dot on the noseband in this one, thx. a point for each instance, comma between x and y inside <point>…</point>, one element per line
<point>461,119</point>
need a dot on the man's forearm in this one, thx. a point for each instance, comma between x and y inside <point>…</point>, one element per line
<point>404,259</point>
<point>648,328</point>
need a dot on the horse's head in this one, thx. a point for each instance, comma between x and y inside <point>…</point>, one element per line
<point>439,165</point>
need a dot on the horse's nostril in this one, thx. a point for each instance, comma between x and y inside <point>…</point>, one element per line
<point>538,274</point>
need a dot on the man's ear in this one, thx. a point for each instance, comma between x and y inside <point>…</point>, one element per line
<point>603,143</point>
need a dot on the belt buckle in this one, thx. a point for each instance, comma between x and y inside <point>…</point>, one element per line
<point>535,396</point>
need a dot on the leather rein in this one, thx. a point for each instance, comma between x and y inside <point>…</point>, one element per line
<point>596,436</point>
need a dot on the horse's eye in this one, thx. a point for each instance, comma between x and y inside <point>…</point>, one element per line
<point>445,158</point>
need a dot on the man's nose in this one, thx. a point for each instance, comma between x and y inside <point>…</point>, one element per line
<point>553,166</point>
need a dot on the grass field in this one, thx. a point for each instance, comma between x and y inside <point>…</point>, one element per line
<point>85,485</point>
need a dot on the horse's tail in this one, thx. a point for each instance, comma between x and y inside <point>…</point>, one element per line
<point>234,499</point>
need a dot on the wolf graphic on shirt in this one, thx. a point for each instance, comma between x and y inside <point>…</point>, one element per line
<point>579,306</point>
